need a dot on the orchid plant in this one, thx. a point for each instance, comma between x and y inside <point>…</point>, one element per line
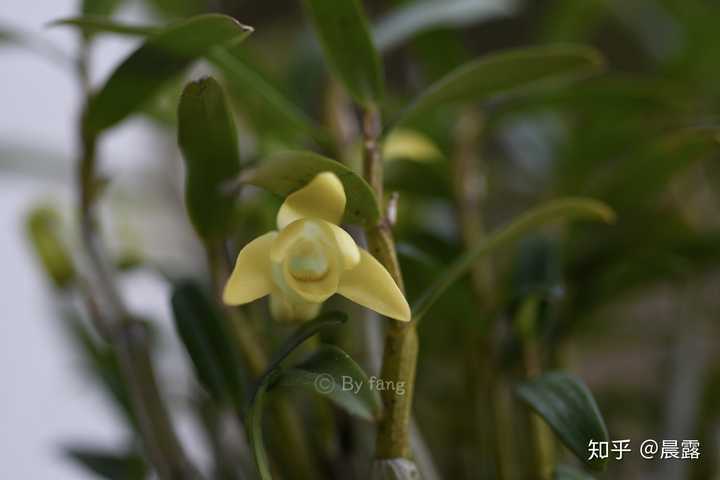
<point>249,356</point>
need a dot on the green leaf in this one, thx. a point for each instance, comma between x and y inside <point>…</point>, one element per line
<point>413,18</point>
<point>208,139</point>
<point>255,91</point>
<point>285,172</point>
<point>162,57</point>
<point>331,372</point>
<point>344,35</point>
<point>92,25</point>
<point>564,208</point>
<point>270,100</point>
<point>567,472</point>
<point>206,338</point>
<point>506,74</point>
<point>304,332</point>
<point>567,405</point>
<point>108,463</point>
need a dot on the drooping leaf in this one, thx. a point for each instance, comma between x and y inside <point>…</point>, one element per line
<point>505,74</point>
<point>109,464</point>
<point>345,37</point>
<point>285,172</point>
<point>206,338</point>
<point>208,140</point>
<point>413,18</point>
<point>567,472</point>
<point>567,405</point>
<point>331,372</point>
<point>564,208</point>
<point>161,57</point>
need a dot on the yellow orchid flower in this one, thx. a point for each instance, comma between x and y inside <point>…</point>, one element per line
<point>310,258</point>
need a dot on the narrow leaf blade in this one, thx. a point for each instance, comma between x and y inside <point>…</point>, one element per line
<point>411,19</point>
<point>345,37</point>
<point>505,74</point>
<point>567,405</point>
<point>564,208</point>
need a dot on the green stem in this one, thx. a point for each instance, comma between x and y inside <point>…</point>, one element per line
<point>469,187</point>
<point>401,341</point>
<point>542,448</point>
<point>116,325</point>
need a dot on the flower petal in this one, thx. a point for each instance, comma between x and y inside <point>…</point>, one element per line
<point>252,277</point>
<point>370,285</point>
<point>324,198</point>
<point>348,249</point>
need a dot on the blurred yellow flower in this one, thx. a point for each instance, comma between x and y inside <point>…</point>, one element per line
<point>310,258</point>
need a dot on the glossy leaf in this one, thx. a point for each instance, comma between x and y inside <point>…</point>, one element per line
<point>331,372</point>
<point>505,74</point>
<point>345,37</point>
<point>286,172</point>
<point>566,404</point>
<point>562,209</point>
<point>411,19</point>
<point>207,340</point>
<point>208,140</point>
<point>162,57</point>
<point>109,464</point>
<point>566,472</point>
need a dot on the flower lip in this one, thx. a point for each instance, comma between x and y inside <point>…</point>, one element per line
<point>307,261</point>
